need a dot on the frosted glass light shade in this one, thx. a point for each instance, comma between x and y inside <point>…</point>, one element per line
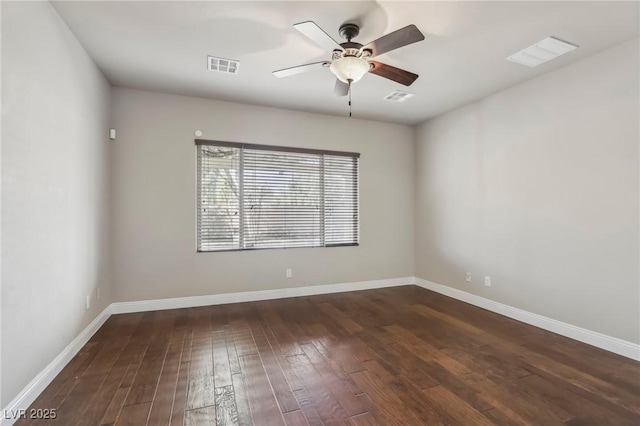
<point>349,68</point>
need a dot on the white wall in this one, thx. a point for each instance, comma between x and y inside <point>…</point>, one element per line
<point>154,198</point>
<point>537,186</point>
<point>55,106</point>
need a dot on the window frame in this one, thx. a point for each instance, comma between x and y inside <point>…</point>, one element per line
<point>284,149</point>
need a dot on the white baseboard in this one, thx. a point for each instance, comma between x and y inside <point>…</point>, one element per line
<point>251,296</point>
<point>25,398</point>
<point>611,344</point>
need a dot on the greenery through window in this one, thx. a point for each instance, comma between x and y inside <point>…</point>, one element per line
<point>257,196</point>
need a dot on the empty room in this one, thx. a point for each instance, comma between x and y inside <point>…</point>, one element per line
<point>320,213</point>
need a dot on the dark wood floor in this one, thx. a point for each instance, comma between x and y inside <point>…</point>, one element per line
<point>398,356</point>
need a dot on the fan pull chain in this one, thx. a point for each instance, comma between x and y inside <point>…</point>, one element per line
<point>349,98</point>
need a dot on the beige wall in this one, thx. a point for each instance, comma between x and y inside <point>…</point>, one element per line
<point>537,187</point>
<point>55,106</point>
<point>154,198</point>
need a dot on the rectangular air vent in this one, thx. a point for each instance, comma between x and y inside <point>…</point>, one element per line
<point>398,96</point>
<point>228,66</point>
<point>541,52</point>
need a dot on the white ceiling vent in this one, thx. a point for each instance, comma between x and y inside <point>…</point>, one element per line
<point>398,96</point>
<point>228,66</point>
<point>541,52</point>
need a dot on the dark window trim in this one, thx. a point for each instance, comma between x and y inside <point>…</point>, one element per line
<point>242,146</point>
<point>279,248</point>
<point>276,148</point>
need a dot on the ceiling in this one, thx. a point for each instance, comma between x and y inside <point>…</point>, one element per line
<point>163,46</point>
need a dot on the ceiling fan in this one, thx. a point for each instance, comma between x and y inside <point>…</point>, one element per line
<point>350,60</point>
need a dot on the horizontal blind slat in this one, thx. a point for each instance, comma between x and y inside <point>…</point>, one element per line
<point>288,198</point>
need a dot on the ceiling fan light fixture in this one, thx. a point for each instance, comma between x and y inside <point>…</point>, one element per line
<point>349,69</point>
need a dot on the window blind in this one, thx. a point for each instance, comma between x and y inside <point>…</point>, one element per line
<point>258,197</point>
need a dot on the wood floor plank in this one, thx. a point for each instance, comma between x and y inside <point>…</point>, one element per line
<point>605,390</point>
<point>424,366</point>
<point>166,389</point>
<point>581,408</point>
<point>120,395</point>
<point>264,407</point>
<point>449,404</point>
<point>594,399</point>
<point>398,361</point>
<point>115,407</point>
<point>134,415</point>
<point>180,397</point>
<point>200,393</point>
<point>363,311</point>
<point>366,419</point>
<point>385,407</point>
<point>57,390</point>
<point>336,367</point>
<point>516,403</point>
<point>199,322</point>
<point>408,394</point>
<point>351,404</point>
<point>279,384</point>
<point>394,356</point>
<point>464,326</point>
<point>339,317</point>
<point>226,409</point>
<point>200,388</point>
<point>84,393</point>
<point>102,400</point>
<point>295,382</point>
<point>200,416</point>
<point>502,419</point>
<point>487,357</point>
<point>243,339</point>
<point>242,403</point>
<point>218,318</point>
<point>306,406</point>
<point>290,316</point>
<point>324,401</point>
<point>145,383</point>
<point>601,366</point>
<point>295,418</point>
<point>234,362</point>
<point>342,349</point>
<point>284,338</point>
<point>221,367</point>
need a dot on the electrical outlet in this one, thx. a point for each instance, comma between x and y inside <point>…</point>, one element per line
<point>88,302</point>
<point>289,273</point>
<point>487,281</point>
<point>467,277</point>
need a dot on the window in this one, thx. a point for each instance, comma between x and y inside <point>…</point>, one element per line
<point>258,196</point>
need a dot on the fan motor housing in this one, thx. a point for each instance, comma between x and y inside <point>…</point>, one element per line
<point>351,45</point>
<point>351,51</point>
<point>349,31</point>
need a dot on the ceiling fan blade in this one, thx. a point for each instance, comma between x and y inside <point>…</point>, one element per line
<point>317,34</point>
<point>393,73</point>
<point>399,38</point>
<point>341,88</point>
<point>299,69</point>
